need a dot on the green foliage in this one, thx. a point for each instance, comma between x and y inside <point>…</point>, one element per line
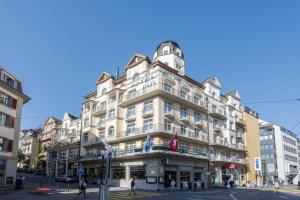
<point>20,156</point>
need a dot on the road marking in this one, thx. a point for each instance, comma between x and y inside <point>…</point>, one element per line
<point>283,197</point>
<point>233,197</point>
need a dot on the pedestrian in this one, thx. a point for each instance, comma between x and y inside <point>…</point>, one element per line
<point>298,185</point>
<point>276,186</point>
<point>132,186</point>
<point>172,185</point>
<point>82,188</point>
<point>226,184</point>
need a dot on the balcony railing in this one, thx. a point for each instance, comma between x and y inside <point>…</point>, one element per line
<point>218,112</point>
<point>224,158</point>
<point>119,153</point>
<point>160,87</point>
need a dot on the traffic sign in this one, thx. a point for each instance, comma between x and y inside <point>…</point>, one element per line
<point>81,171</point>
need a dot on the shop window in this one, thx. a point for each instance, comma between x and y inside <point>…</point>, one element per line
<point>118,172</point>
<point>137,172</point>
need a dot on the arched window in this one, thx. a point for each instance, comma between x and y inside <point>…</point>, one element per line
<point>135,76</point>
<point>85,137</point>
<point>103,91</point>
<point>166,50</point>
<point>111,131</point>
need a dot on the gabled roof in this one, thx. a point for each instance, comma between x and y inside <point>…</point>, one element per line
<point>54,119</point>
<point>214,81</point>
<point>103,77</point>
<point>136,59</point>
<point>72,117</point>
<point>235,94</point>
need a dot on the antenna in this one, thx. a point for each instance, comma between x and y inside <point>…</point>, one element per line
<point>118,72</point>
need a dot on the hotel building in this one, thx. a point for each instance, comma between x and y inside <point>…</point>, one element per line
<point>279,153</point>
<point>12,99</point>
<point>156,97</point>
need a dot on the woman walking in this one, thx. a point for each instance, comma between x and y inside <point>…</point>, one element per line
<point>82,188</point>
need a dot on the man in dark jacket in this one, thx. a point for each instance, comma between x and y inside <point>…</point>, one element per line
<point>132,186</point>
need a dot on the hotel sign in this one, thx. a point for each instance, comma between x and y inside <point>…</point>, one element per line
<point>146,82</point>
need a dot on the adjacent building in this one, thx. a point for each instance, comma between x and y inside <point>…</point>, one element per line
<point>252,141</point>
<point>158,98</point>
<point>279,153</point>
<point>28,144</point>
<point>12,99</point>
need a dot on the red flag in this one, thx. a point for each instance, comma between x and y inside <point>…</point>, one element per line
<point>173,143</point>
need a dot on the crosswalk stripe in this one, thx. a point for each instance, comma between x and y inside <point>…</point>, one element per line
<point>120,195</point>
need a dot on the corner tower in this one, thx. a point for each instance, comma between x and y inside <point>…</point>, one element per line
<point>170,53</point>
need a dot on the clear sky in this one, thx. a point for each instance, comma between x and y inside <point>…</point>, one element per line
<point>59,48</point>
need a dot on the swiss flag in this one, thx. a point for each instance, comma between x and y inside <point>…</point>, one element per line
<point>173,143</point>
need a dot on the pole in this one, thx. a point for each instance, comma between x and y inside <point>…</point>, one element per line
<point>157,176</point>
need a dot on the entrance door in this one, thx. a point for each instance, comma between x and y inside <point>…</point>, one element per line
<point>169,175</point>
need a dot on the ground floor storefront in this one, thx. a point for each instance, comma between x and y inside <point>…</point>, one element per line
<point>223,172</point>
<point>8,170</point>
<point>151,172</point>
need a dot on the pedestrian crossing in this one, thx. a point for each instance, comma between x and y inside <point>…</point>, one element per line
<point>124,195</point>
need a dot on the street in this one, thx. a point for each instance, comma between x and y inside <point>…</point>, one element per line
<point>65,193</point>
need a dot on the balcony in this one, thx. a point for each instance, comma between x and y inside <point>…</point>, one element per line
<point>99,110</point>
<point>170,113</point>
<point>148,112</point>
<point>101,125</point>
<point>139,152</point>
<point>185,118</point>
<point>93,141</point>
<point>239,134</point>
<point>240,146</point>
<point>217,128</point>
<point>240,122</point>
<point>200,136</point>
<point>218,141</point>
<point>170,93</point>
<point>227,159</point>
<point>218,113</point>
<point>199,123</point>
<point>130,117</point>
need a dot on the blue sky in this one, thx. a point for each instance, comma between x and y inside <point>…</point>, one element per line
<point>59,48</point>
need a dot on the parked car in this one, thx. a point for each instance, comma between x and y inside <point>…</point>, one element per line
<point>65,179</point>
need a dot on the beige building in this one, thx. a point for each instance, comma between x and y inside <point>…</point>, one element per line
<point>57,133</point>
<point>12,99</point>
<point>158,98</point>
<point>252,139</point>
<point>29,146</point>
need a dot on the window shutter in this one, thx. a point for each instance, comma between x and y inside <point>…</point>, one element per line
<point>14,104</point>
<point>10,146</point>
<point>12,122</point>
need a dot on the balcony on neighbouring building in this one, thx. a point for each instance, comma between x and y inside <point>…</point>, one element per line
<point>240,146</point>
<point>239,134</point>
<point>99,110</point>
<point>101,125</point>
<point>148,112</point>
<point>218,113</point>
<point>130,117</point>
<point>170,113</point>
<point>185,118</point>
<point>240,122</point>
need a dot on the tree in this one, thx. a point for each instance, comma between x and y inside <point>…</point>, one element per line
<point>20,156</point>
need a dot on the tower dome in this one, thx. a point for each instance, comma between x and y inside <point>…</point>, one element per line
<point>170,53</point>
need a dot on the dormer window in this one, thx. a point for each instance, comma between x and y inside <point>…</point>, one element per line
<point>135,76</point>
<point>166,50</point>
<point>103,91</point>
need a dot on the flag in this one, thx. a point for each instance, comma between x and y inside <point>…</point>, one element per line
<point>149,143</point>
<point>173,143</point>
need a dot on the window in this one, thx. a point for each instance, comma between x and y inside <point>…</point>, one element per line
<point>182,130</point>
<point>168,87</point>
<point>148,105</point>
<point>85,137</point>
<point>118,172</point>
<point>135,76</point>
<point>6,145</point>
<point>102,120</point>
<point>183,112</point>
<point>111,113</point>
<point>131,111</point>
<point>103,91</point>
<point>183,147</point>
<point>148,125</point>
<point>231,112</point>
<point>9,81</point>
<point>197,117</point>
<point>7,120</point>
<point>131,94</point>
<point>196,100</point>
<point>8,100</point>
<point>102,135</point>
<point>168,126</point>
<point>196,133</point>
<point>137,172</point>
<point>270,137</point>
<point>130,128</point>
<point>168,107</point>
<point>183,94</point>
<point>111,131</point>
<point>86,122</point>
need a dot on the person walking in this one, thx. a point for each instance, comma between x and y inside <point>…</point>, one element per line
<point>172,185</point>
<point>276,186</point>
<point>132,186</point>
<point>82,188</point>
